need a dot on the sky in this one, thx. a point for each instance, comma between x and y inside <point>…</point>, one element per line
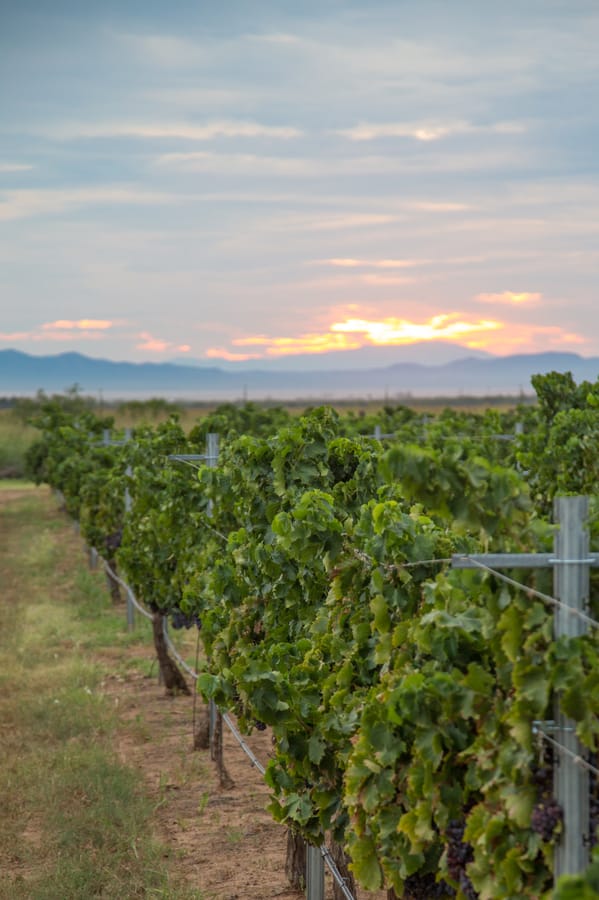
<point>234,182</point>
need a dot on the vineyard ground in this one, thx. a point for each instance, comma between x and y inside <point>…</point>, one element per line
<point>70,669</point>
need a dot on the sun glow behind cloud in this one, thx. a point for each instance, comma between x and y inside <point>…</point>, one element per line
<point>391,331</point>
<point>354,333</point>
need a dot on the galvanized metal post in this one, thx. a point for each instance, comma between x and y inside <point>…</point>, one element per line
<point>314,874</point>
<point>570,561</point>
<point>211,461</point>
<point>571,586</point>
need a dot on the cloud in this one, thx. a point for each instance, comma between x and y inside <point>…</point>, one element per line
<point>426,131</point>
<point>352,334</point>
<point>7,167</point>
<point>173,130</point>
<point>25,204</point>
<point>353,263</point>
<point>350,263</point>
<point>440,206</point>
<point>510,298</point>
<point>286,346</point>
<point>16,336</point>
<point>152,344</point>
<point>248,164</point>
<point>448,326</point>
<point>79,325</point>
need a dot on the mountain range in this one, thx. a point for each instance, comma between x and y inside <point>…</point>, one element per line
<point>22,374</point>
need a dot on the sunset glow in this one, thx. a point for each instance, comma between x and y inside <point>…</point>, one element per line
<point>218,198</point>
<point>399,331</point>
<point>79,325</point>
<point>353,333</point>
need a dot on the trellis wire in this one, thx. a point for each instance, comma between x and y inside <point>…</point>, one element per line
<point>532,592</point>
<point>576,759</point>
<point>391,567</point>
<point>126,587</point>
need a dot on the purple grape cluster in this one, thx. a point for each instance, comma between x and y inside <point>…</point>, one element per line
<point>182,620</point>
<point>112,542</point>
<point>424,887</point>
<point>459,854</point>
<point>546,816</point>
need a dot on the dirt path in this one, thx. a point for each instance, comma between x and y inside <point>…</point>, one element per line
<point>223,841</point>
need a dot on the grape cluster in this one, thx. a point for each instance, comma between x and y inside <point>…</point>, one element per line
<point>546,816</point>
<point>459,854</point>
<point>259,726</point>
<point>594,803</point>
<point>424,887</point>
<point>182,620</point>
<point>467,888</point>
<point>112,541</point>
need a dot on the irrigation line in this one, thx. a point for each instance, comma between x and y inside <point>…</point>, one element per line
<point>532,592</point>
<point>576,759</point>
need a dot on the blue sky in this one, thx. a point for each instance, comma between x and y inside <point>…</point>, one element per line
<point>256,180</point>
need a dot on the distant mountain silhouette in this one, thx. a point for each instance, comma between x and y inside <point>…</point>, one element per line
<point>22,374</point>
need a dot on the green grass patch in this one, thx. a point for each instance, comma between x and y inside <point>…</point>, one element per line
<point>76,822</point>
<point>15,439</point>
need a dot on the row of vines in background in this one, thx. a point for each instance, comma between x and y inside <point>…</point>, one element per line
<point>401,694</point>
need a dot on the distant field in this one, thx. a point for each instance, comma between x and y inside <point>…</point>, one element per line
<point>16,435</point>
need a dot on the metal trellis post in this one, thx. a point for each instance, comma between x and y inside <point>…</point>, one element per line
<point>211,461</point>
<point>314,874</point>
<point>571,586</point>
<point>570,562</point>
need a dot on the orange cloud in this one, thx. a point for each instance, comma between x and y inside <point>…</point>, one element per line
<point>350,263</point>
<point>305,343</point>
<point>80,325</point>
<point>401,331</point>
<point>157,345</point>
<point>510,298</point>
<point>222,353</point>
<point>354,333</point>
<point>534,338</point>
<point>149,342</point>
<point>15,336</point>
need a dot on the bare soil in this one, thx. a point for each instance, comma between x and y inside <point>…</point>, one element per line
<point>222,841</point>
